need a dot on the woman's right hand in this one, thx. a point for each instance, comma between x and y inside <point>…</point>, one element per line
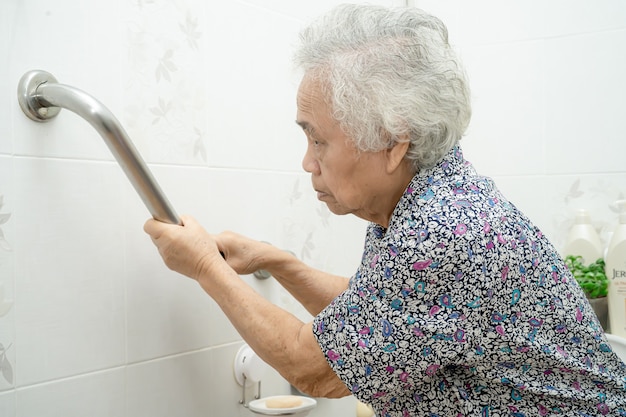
<point>243,254</point>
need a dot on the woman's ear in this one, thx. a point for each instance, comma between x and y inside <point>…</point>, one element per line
<point>395,155</point>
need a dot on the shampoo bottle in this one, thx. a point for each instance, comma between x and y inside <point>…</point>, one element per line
<point>583,240</point>
<point>615,268</point>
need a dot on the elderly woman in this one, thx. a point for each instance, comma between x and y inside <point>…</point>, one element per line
<point>460,305</point>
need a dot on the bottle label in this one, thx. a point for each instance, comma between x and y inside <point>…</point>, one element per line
<point>617,273</point>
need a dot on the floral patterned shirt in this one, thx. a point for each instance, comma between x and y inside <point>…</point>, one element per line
<point>463,308</point>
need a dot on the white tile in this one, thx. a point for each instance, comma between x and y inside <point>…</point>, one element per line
<point>586,103</point>
<point>92,66</point>
<point>8,365</point>
<point>7,404</point>
<point>165,80</point>
<point>252,90</point>
<point>174,386</point>
<point>7,275</point>
<point>7,86</point>
<point>69,22</point>
<point>306,11</point>
<point>567,17</point>
<point>505,135</point>
<point>167,313</point>
<point>490,21</point>
<point>69,260</point>
<point>505,22</point>
<point>226,394</point>
<point>96,395</point>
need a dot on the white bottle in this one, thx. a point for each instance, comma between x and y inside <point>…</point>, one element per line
<point>583,239</point>
<point>615,268</point>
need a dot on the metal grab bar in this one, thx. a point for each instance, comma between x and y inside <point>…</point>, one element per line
<point>41,99</point>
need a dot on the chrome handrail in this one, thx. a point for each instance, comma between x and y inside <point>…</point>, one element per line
<point>41,98</point>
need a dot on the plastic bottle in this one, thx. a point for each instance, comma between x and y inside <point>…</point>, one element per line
<point>615,268</point>
<point>583,239</point>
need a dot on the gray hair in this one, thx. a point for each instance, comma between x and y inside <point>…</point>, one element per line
<point>390,76</point>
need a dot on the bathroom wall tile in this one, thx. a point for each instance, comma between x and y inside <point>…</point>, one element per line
<point>174,386</point>
<point>69,307</point>
<point>585,103</point>
<point>7,89</point>
<point>7,275</point>
<point>65,135</point>
<point>7,404</point>
<point>567,17</point>
<point>104,34</point>
<point>99,394</point>
<point>499,22</point>
<point>505,135</point>
<point>309,10</point>
<point>91,31</point>
<point>225,392</point>
<point>68,20</point>
<point>250,121</point>
<point>167,312</point>
<point>165,79</point>
<point>8,365</point>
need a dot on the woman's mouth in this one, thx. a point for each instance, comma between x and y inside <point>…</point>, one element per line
<point>321,195</point>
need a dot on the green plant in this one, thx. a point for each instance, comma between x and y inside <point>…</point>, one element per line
<point>591,278</point>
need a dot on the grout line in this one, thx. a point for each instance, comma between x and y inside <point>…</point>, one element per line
<point>121,367</point>
<point>162,164</point>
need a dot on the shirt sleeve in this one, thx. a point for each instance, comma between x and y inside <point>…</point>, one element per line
<point>392,329</point>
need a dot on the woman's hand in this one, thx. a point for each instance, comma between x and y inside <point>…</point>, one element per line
<point>187,249</point>
<point>243,254</point>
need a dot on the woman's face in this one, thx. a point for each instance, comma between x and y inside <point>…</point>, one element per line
<point>348,182</point>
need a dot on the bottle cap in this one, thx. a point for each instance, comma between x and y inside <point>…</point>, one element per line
<point>582,217</point>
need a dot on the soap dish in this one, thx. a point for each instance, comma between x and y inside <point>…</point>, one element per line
<point>259,407</point>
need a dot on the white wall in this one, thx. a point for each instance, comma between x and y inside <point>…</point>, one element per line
<point>97,325</point>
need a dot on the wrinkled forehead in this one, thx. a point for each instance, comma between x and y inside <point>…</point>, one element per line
<point>309,91</point>
<point>311,98</point>
<point>314,111</point>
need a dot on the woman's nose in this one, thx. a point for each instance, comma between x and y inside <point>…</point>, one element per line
<point>309,163</point>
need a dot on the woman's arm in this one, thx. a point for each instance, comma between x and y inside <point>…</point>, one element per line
<point>279,338</point>
<point>313,288</point>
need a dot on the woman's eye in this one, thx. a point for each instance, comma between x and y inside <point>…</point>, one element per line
<point>314,142</point>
